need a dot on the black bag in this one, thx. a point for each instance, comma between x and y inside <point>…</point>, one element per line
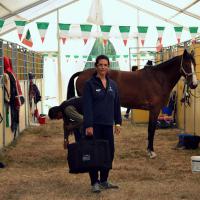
<point>189,141</point>
<point>88,154</point>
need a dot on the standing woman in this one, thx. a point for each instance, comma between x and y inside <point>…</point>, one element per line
<point>101,109</point>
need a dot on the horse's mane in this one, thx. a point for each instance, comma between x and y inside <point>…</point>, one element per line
<point>164,64</point>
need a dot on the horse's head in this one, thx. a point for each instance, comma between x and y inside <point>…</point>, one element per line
<point>188,66</point>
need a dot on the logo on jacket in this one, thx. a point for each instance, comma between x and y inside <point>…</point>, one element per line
<point>98,90</point>
<point>110,89</point>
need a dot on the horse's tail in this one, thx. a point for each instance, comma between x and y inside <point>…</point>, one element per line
<point>70,87</point>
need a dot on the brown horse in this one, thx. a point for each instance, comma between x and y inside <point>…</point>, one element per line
<point>146,89</point>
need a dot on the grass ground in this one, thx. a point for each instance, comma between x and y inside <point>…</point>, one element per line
<point>36,168</point>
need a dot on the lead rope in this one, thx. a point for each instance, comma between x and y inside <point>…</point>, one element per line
<point>186,94</point>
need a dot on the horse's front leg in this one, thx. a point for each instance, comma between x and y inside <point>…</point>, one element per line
<point>153,116</point>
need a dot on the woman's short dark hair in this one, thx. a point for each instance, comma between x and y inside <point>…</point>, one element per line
<point>100,57</point>
<point>53,112</point>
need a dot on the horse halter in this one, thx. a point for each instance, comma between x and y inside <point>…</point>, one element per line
<point>183,70</point>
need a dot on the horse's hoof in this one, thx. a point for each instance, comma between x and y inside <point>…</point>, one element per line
<point>151,154</point>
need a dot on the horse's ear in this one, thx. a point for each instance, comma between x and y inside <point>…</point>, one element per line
<point>185,53</point>
<point>192,53</point>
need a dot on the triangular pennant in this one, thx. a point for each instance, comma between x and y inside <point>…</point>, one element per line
<point>117,57</point>
<point>142,30</point>
<point>20,28</point>
<point>27,39</point>
<point>1,24</point>
<point>85,29</point>
<point>105,29</point>
<point>85,58</point>
<point>124,30</point>
<point>64,30</point>
<point>193,33</point>
<point>67,57</point>
<point>42,27</point>
<point>178,31</point>
<point>160,30</point>
<point>126,58</point>
<point>76,57</point>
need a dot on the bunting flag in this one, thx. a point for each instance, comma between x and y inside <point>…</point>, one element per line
<point>117,57</point>
<point>76,57</point>
<point>124,30</point>
<point>20,28</point>
<point>85,58</point>
<point>64,30</point>
<point>193,33</point>
<point>178,31</point>
<point>126,58</point>
<point>68,57</point>
<point>42,27</point>
<point>1,24</point>
<point>85,29</point>
<point>105,29</point>
<point>142,30</point>
<point>27,39</point>
<point>134,57</point>
<point>160,30</point>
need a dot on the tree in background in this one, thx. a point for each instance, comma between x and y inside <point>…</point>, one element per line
<point>99,49</point>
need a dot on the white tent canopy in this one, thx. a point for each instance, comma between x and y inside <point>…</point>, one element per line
<point>133,13</point>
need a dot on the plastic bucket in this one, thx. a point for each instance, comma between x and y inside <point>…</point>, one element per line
<point>42,119</point>
<point>195,163</point>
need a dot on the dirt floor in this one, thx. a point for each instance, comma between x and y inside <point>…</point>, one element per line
<point>36,168</point>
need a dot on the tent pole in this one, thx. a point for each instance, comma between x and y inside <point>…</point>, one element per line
<point>138,41</point>
<point>59,63</point>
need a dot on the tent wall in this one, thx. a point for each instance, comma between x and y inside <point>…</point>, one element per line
<point>23,62</point>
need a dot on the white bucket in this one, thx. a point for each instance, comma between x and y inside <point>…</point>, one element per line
<point>195,163</point>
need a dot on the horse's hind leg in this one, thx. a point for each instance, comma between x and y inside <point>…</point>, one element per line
<point>153,116</point>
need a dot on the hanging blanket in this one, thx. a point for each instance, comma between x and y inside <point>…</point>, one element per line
<point>16,98</point>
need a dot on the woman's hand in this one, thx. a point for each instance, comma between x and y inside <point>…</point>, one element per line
<point>89,131</point>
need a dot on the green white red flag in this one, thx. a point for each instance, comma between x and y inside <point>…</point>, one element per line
<point>86,30</point>
<point>27,39</point>
<point>160,30</point>
<point>42,27</point>
<point>64,31</point>
<point>178,31</point>
<point>1,24</point>
<point>67,57</point>
<point>193,33</point>
<point>105,29</point>
<point>20,28</point>
<point>124,30</point>
<point>142,30</point>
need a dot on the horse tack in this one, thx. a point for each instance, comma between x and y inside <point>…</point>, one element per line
<point>146,89</point>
